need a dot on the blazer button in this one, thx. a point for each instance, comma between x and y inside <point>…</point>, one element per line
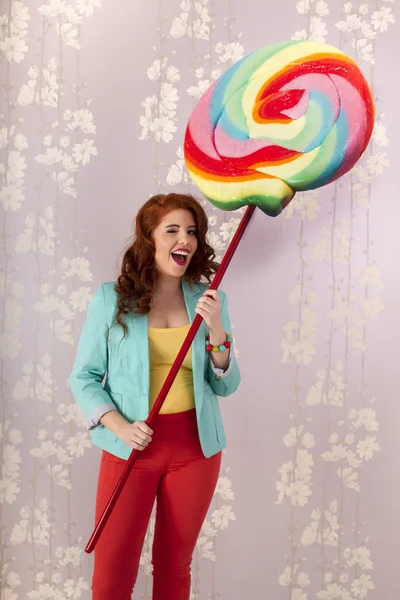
<point>218,377</point>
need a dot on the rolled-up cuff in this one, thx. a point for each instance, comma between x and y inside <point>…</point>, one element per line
<point>99,411</point>
<point>220,372</point>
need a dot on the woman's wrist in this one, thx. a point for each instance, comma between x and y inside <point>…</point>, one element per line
<point>114,421</point>
<point>217,336</point>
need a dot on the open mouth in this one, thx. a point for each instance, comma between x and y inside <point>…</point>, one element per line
<point>179,259</point>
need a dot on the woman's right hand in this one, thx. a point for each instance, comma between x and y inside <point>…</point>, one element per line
<point>137,435</point>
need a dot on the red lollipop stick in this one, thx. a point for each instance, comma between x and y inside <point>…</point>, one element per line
<point>169,380</point>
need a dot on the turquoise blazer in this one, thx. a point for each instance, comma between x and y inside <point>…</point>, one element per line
<point>112,372</point>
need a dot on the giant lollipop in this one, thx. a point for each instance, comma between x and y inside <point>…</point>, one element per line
<point>289,117</point>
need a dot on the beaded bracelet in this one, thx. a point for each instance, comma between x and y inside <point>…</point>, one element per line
<point>222,347</point>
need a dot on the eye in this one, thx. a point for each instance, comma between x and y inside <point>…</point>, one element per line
<point>193,232</point>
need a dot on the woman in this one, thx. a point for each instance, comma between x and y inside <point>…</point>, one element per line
<point>132,334</point>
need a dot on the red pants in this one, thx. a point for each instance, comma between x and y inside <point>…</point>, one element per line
<point>174,470</point>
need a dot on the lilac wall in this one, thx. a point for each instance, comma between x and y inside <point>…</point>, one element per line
<point>307,503</point>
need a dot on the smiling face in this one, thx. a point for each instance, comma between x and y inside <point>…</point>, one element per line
<point>176,242</point>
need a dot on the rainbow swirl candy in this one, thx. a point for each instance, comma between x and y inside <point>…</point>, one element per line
<point>289,117</point>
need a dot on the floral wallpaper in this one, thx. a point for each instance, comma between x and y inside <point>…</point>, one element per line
<point>94,100</point>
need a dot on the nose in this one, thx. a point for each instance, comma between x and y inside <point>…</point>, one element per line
<point>184,239</point>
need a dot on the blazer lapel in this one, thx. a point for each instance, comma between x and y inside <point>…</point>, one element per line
<point>141,335</point>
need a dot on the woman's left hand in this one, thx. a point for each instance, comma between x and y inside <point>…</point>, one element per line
<point>209,307</point>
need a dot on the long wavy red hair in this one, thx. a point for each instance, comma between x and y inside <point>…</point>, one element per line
<point>138,274</point>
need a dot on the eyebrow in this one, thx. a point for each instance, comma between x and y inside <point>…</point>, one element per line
<point>175,225</point>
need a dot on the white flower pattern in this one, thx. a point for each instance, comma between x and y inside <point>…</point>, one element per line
<point>356,299</point>
<point>49,142</point>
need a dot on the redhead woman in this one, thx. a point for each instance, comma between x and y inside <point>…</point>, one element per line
<point>132,334</point>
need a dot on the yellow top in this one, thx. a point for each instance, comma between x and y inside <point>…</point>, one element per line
<point>164,345</point>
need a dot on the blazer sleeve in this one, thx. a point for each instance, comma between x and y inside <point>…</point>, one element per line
<point>90,366</point>
<point>224,383</point>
